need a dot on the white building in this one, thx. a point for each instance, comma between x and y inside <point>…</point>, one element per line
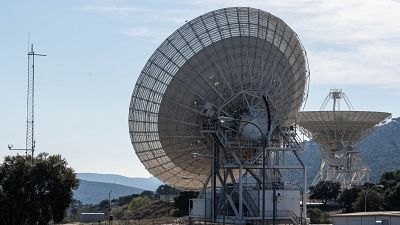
<point>287,206</point>
<point>368,218</point>
<point>168,198</point>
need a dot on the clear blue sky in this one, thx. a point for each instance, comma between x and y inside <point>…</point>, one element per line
<point>96,49</point>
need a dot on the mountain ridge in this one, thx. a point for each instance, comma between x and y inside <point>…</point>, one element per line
<point>91,192</point>
<point>150,183</point>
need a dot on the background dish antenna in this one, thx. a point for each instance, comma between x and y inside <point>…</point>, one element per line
<point>337,132</point>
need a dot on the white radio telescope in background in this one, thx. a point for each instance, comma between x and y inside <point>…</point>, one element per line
<point>203,93</point>
<point>337,132</point>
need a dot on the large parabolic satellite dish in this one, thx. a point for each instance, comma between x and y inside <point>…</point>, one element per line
<point>337,132</point>
<point>214,65</point>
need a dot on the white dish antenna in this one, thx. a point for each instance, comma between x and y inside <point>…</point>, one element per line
<point>337,132</point>
<point>215,65</point>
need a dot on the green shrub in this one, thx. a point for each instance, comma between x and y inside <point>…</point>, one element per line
<point>318,216</point>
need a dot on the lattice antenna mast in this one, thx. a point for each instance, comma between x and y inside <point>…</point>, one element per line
<point>30,103</point>
<point>336,95</point>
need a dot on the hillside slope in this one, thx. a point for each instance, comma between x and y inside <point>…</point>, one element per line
<point>381,150</point>
<point>90,192</point>
<point>150,183</point>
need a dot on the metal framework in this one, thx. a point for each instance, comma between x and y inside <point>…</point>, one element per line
<point>244,166</point>
<point>337,133</point>
<point>336,95</point>
<point>30,103</point>
<point>219,65</point>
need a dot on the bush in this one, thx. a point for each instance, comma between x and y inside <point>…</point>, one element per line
<point>137,203</point>
<point>318,216</point>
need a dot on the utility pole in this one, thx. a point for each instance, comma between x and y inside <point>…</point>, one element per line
<point>109,208</point>
<point>30,100</point>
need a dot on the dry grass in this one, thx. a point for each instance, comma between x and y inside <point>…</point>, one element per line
<point>155,209</point>
<point>157,221</point>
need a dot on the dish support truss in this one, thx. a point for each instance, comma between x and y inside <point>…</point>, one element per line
<point>344,166</point>
<point>237,173</point>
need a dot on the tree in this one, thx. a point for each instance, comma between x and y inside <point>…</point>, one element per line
<point>385,195</point>
<point>148,194</point>
<point>75,205</point>
<point>182,203</point>
<point>392,198</point>
<point>123,200</point>
<point>324,191</point>
<point>35,190</point>
<point>374,200</point>
<point>166,190</point>
<point>103,205</point>
<point>390,176</point>
<point>348,196</point>
<point>390,179</point>
<point>137,203</point>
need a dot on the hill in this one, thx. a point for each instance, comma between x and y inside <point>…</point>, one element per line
<point>150,183</point>
<point>90,192</point>
<point>155,209</point>
<point>380,150</point>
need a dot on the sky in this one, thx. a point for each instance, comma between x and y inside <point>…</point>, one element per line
<point>96,50</point>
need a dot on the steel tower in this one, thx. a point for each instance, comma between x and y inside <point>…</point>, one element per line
<point>30,104</point>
